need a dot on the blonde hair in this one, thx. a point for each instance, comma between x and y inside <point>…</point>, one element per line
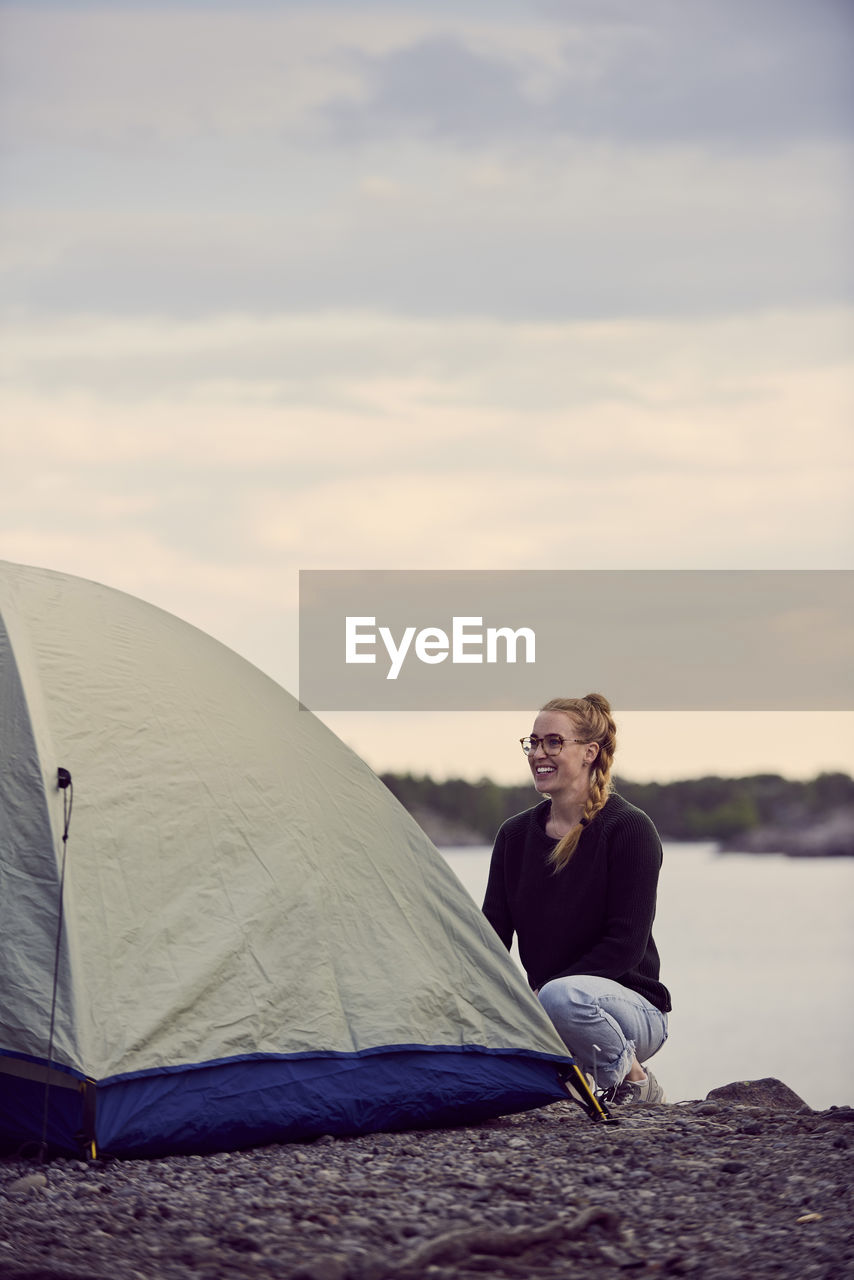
<point>594,723</point>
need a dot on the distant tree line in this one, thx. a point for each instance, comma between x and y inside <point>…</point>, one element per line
<point>699,809</point>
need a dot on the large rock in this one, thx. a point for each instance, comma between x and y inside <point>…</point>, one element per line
<point>768,1092</point>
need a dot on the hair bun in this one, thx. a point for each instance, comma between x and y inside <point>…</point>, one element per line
<point>599,700</point>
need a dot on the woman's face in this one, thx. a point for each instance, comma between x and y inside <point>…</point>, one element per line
<point>567,771</point>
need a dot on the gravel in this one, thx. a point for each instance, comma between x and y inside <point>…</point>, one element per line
<point>747,1183</point>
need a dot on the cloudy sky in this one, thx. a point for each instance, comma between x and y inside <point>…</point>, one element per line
<point>507,285</point>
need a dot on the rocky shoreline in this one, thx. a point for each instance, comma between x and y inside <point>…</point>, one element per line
<point>748,1182</point>
<point>832,837</point>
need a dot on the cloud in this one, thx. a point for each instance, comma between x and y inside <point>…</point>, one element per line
<point>552,233</point>
<point>712,71</point>
<point>146,74</point>
<point>438,86</point>
<point>344,439</point>
<point>665,72</point>
<point>519,164</point>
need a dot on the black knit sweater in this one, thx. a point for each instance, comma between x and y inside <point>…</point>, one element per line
<point>595,916</point>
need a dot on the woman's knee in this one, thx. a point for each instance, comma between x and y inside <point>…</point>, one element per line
<point>565,996</point>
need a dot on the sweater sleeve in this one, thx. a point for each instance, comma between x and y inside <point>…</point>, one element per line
<point>634,862</point>
<point>496,908</point>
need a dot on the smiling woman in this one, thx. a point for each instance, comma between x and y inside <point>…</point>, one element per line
<point>575,878</point>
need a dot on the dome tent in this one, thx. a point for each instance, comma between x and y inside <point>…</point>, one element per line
<point>257,943</point>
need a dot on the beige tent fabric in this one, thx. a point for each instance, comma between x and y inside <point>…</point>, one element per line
<point>238,880</point>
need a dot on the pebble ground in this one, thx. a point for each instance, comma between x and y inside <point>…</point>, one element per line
<point>723,1188</point>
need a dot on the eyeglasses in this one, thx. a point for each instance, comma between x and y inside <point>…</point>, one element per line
<point>552,743</point>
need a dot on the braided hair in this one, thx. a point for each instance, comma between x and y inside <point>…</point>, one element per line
<point>594,723</point>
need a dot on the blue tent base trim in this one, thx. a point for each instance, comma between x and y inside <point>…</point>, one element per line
<point>250,1102</point>
<point>22,1117</point>
<point>24,1083</point>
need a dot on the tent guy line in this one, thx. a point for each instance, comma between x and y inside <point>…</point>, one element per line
<point>63,784</point>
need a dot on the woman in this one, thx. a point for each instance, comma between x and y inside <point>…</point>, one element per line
<point>575,878</point>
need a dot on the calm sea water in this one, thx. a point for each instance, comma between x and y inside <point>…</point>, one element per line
<point>758,952</point>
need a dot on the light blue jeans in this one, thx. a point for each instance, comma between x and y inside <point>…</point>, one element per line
<point>589,1011</point>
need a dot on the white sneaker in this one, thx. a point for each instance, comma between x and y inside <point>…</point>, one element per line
<point>627,1091</point>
